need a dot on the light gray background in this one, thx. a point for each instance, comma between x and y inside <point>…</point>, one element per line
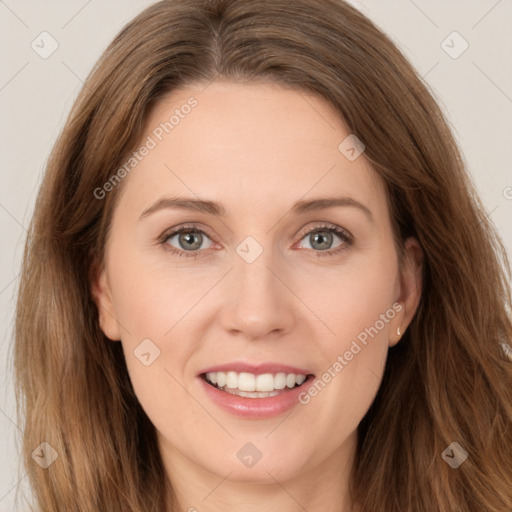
<point>475,90</point>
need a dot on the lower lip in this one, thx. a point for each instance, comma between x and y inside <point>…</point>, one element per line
<point>256,407</point>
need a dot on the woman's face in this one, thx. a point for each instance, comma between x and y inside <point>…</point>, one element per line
<point>287,267</point>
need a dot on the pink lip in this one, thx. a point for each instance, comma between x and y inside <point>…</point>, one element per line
<point>256,369</point>
<point>255,408</point>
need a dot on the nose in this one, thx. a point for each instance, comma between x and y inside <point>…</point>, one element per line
<point>257,303</point>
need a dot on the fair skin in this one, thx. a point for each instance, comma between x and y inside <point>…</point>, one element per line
<point>255,149</point>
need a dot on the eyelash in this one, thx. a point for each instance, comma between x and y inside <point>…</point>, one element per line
<point>345,237</point>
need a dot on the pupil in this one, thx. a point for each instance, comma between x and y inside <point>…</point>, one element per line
<point>323,238</point>
<point>188,240</point>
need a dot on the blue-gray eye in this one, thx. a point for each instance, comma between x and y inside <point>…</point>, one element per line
<point>188,239</point>
<point>322,239</point>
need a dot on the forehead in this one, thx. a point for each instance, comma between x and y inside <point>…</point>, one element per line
<point>246,144</point>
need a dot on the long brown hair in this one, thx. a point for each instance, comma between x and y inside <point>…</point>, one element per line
<point>448,380</point>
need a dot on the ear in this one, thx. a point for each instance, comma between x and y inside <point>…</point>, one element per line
<point>410,287</point>
<point>100,289</point>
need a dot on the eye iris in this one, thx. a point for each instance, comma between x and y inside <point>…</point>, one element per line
<point>190,240</point>
<point>323,238</point>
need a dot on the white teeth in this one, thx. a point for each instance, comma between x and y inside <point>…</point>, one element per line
<point>265,382</point>
<point>250,384</point>
<point>280,381</point>
<point>232,380</point>
<point>249,394</point>
<point>247,382</point>
<point>290,380</point>
<point>299,379</point>
<point>221,378</point>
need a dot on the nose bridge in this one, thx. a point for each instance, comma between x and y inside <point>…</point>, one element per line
<point>254,280</point>
<point>258,303</point>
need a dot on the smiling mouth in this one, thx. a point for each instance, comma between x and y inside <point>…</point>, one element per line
<point>249,385</point>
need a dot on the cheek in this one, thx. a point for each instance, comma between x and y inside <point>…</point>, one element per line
<point>158,307</point>
<point>150,299</point>
<point>353,297</point>
<point>356,303</point>
<point>152,308</point>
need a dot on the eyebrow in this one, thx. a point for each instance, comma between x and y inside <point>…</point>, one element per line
<point>213,208</point>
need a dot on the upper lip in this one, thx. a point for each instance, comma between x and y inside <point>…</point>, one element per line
<point>255,368</point>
